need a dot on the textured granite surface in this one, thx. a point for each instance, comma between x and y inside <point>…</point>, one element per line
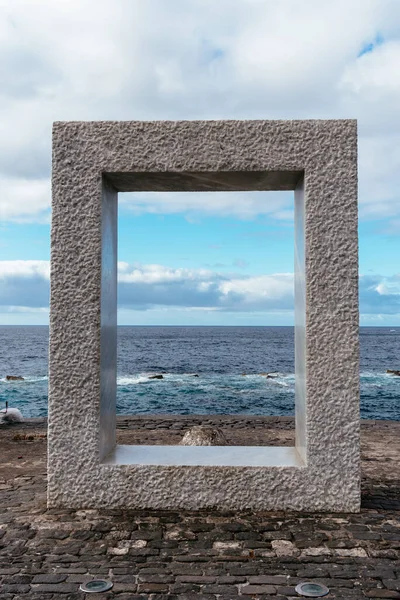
<point>89,157</point>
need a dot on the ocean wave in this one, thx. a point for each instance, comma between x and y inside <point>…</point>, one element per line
<point>133,380</point>
<point>27,379</point>
<point>144,378</point>
<point>276,378</point>
<point>209,382</point>
<point>282,383</point>
<point>285,380</point>
<point>371,379</point>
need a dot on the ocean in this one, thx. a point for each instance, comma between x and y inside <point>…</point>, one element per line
<point>228,362</point>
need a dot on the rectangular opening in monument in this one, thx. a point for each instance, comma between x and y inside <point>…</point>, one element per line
<point>205,314</point>
<point>206,292</point>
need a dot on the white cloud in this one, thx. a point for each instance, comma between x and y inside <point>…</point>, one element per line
<point>380,295</point>
<point>128,59</point>
<point>242,205</point>
<point>375,74</point>
<point>262,287</point>
<point>389,287</point>
<point>24,200</point>
<point>24,269</point>
<point>292,51</point>
<point>379,167</point>
<point>24,286</point>
<point>156,285</point>
<point>24,283</point>
<point>154,274</point>
<point>26,310</point>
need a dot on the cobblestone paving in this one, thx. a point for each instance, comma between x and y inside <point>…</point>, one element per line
<point>47,554</point>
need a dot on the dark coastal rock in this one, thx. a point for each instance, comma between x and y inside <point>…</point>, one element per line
<point>390,372</point>
<point>14,378</point>
<point>266,375</point>
<point>156,377</point>
<point>204,436</point>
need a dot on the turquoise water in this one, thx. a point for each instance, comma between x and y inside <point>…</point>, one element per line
<point>218,355</point>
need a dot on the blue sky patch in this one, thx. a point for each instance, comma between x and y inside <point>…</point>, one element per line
<point>370,46</point>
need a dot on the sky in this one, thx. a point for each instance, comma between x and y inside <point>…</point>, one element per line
<point>207,258</point>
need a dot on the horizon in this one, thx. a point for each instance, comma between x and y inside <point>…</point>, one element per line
<point>210,326</point>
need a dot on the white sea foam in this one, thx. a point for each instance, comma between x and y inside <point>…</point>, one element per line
<point>282,379</point>
<point>10,415</point>
<point>133,380</point>
<point>27,379</point>
<point>281,382</point>
<point>184,378</point>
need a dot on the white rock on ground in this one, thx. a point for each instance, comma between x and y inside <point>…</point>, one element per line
<point>204,436</point>
<point>10,415</point>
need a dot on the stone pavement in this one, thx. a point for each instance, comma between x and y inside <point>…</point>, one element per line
<point>46,554</point>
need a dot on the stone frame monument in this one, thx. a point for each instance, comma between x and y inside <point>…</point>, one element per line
<point>92,162</point>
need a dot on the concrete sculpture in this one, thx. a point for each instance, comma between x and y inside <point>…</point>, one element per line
<point>92,162</point>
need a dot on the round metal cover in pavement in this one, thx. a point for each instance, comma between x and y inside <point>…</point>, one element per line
<point>96,586</point>
<point>312,590</point>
